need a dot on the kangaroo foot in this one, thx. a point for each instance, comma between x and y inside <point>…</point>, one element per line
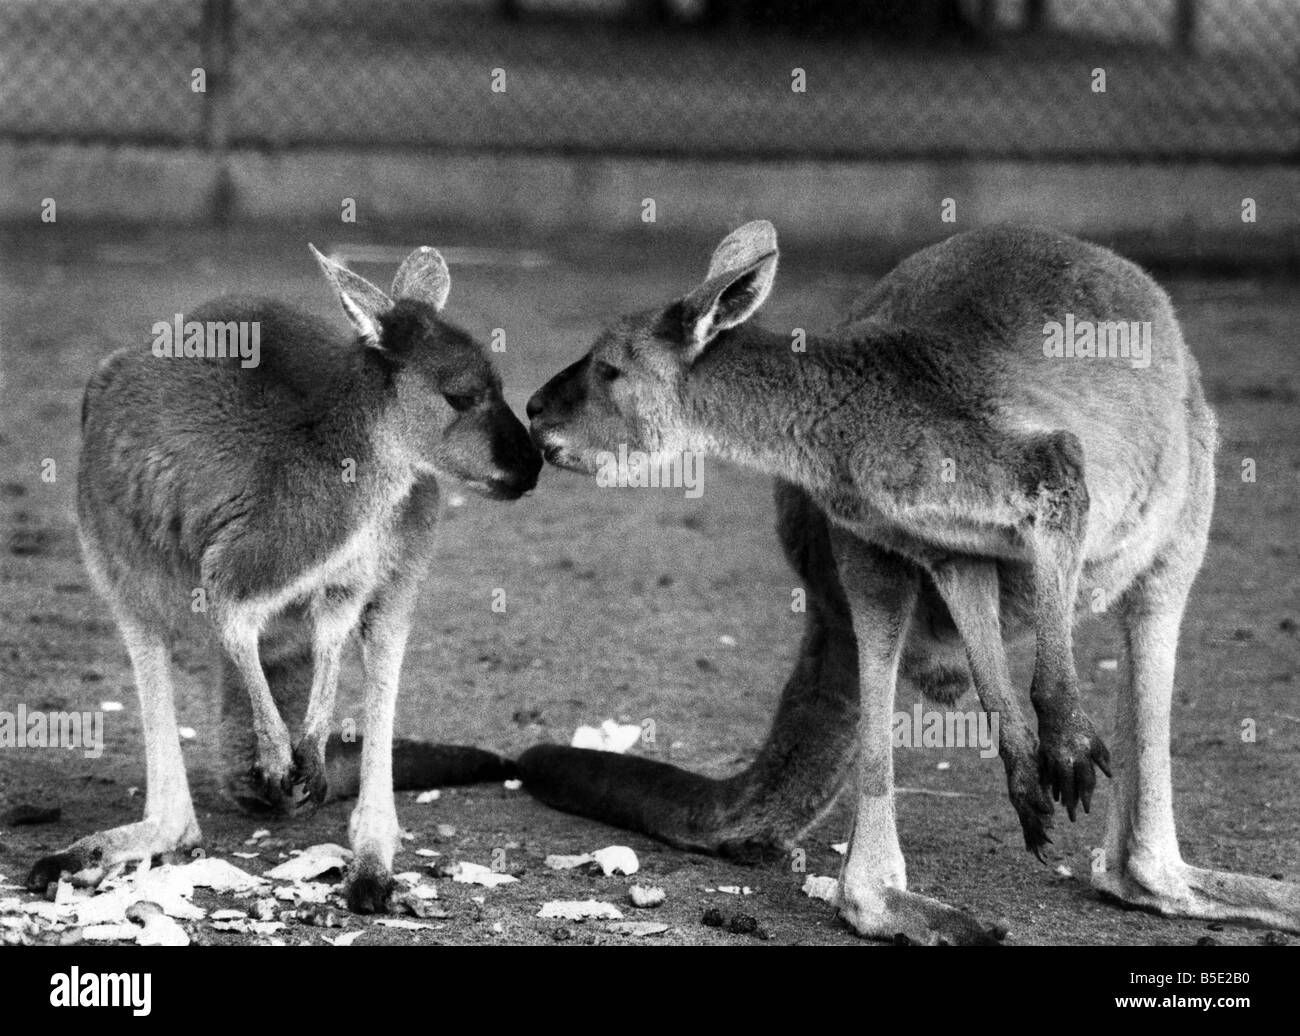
<point>89,860</point>
<point>1031,801</point>
<point>1181,890</point>
<point>904,917</point>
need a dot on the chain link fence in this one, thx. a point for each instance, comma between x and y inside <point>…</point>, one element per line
<point>1079,79</point>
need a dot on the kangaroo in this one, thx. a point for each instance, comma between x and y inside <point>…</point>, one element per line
<point>296,500</point>
<point>946,477</point>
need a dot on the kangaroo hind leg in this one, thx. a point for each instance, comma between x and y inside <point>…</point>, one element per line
<point>1141,863</point>
<point>169,822</point>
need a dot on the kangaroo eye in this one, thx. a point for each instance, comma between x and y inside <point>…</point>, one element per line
<point>606,371</point>
<point>460,402</point>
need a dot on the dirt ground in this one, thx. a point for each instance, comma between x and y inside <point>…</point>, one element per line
<point>620,605</point>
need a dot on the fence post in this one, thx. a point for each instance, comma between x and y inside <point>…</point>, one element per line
<point>1035,15</point>
<point>987,16</point>
<point>1185,25</point>
<point>216,39</point>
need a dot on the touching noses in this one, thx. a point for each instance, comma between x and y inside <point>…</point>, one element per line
<point>535,405</point>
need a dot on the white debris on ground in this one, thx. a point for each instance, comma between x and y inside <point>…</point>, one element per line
<point>1062,871</point>
<point>617,859</point>
<point>425,797</point>
<point>610,736</point>
<point>840,847</point>
<point>312,863</point>
<point>403,923</point>
<point>142,906</point>
<point>816,887</point>
<point>567,863</point>
<point>579,910</point>
<point>514,784</point>
<point>733,890</point>
<point>310,892</point>
<point>613,859</point>
<point>637,928</point>
<point>476,874</point>
<point>646,897</point>
<point>413,894</point>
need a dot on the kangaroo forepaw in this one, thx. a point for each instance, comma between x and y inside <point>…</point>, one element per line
<point>1067,755</point>
<point>255,790</point>
<point>307,780</point>
<point>1033,806</point>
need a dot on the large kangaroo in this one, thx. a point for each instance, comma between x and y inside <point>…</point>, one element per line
<point>947,477</point>
<point>296,498</point>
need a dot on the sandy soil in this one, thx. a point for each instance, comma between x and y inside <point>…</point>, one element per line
<point>616,603</point>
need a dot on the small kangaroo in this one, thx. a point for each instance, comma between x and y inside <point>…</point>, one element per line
<point>945,478</point>
<point>297,500</point>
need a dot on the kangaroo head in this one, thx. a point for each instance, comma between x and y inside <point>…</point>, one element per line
<point>632,387</point>
<point>446,410</point>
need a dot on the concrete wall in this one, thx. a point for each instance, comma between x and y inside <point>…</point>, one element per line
<point>1175,213</point>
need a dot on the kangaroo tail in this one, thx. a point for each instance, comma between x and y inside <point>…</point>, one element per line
<point>416,764</point>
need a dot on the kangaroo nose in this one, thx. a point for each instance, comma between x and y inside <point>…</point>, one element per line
<point>534,406</point>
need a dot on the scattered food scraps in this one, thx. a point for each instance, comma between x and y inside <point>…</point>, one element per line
<point>580,910</point>
<point>567,863</point>
<point>210,872</point>
<point>609,737</point>
<point>817,887</point>
<point>638,928</point>
<point>401,922</point>
<point>646,896</point>
<point>476,874</point>
<point>617,859</point>
<point>425,797</point>
<point>312,863</point>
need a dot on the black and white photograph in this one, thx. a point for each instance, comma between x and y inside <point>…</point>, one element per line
<point>613,474</point>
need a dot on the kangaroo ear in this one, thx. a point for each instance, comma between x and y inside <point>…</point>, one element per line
<point>362,301</point>
<point>423,276</point>
<point>729,297</point>
<point>743,246</point>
